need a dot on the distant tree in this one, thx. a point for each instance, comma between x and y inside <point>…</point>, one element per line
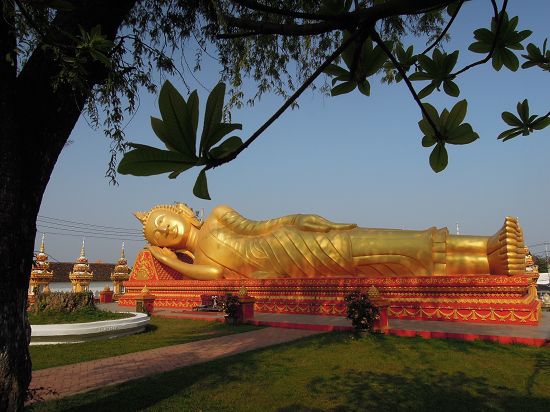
<point>542,263</point>
<point>60,59</point>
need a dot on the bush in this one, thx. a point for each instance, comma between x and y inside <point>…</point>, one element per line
<point>231,306</point>
<point>361,311</point>
<point>64,302</point>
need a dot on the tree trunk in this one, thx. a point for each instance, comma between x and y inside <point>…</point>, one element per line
<point>35,123</point>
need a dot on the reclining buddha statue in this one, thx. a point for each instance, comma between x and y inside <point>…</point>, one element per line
<point>226,245</point>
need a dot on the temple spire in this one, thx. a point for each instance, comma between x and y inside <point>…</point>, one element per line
<point>42,248</point>
<point>122,256</point>
<point>82,252</point>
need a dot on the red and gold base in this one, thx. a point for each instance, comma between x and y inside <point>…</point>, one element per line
<point>459,298</point>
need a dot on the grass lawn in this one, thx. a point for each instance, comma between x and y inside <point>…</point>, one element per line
<point>160,332</point>
<point>78,316</point>
<point>337,372</point>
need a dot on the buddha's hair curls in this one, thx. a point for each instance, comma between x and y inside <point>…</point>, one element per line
<point>178,208</point>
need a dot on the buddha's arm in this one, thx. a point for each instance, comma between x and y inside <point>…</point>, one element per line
<point>239,224</point>
<point>170,259</point>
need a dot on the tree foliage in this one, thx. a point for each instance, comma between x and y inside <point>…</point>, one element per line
<point>367,37</point>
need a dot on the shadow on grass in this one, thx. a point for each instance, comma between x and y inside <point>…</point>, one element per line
<point>417,390</point>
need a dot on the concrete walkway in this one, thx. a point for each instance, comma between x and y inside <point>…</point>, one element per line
<point>68,380</point>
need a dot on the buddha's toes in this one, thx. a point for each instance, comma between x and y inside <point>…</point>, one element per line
<point>505,250</point>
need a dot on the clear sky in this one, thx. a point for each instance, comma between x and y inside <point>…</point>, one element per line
<point>349,158</point>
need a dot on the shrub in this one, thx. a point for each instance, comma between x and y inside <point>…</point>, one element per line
<point>361,311</point>
<point>231,306</point>
<point>64,302</point>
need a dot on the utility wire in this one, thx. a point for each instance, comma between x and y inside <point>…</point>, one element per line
<point>91,232</point>
<point>87,224</point>
<point>96,237</point>
<point>63,226</point>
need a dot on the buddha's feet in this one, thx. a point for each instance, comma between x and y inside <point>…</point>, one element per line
<point>505,249</point>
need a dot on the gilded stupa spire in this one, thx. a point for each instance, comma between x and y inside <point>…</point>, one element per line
<point>81,275</point>
<point>120,274</point>
<point>42,247</point>
<point>40,273</point>
<point>82,251</point>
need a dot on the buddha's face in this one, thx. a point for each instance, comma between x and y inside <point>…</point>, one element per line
<point>166,228</point>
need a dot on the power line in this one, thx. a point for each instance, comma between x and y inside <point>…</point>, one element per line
<point>87,224</point>
<point>62,226</point>
<point>88,232</point>
<point>96,237</point>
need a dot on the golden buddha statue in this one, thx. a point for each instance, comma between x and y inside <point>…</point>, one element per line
<point>227,245</point>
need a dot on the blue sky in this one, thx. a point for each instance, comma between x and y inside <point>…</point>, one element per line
<point>349,158</point>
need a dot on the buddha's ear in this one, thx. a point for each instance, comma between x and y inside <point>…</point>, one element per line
<point>142,216</point>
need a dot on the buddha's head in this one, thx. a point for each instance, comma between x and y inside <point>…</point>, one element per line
<point>169,225</point>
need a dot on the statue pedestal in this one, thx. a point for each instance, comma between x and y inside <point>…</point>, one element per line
<point>246,311</point>
<point>453,298</point>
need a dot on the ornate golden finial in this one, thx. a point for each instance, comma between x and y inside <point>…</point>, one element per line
<point>122,252</point>
<point>42,248</point>
<point>82,252</point>
<point>142,216</point>
<point>373,293</point>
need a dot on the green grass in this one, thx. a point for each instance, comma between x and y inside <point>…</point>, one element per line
<point>338,372</point>
<point>78,316</point>
<point>160,332</point>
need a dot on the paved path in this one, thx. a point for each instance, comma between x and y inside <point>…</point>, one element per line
<point>81,377</point>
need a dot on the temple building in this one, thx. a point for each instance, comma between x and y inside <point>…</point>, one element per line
<point>120,274</point>
<point>41,276</point>
<point>81,276</point>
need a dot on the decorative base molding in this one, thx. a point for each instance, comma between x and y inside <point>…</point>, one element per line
<point>456,298</point>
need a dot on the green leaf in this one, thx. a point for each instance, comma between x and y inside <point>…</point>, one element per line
<point>218,133</point>
<point>541,123</point>
<point>428,141</point>
<point>343,88</point>
<point>212,115</point>
<point>364,87</point>
<point>426,128</point>
<point>335,70</point>
<point>432,112</point>
<point>201,186</point>
<point>177,121</point>
<point>511,119</point>
<point>193,106</point>
<point>439,158</point>
<point>479,47</point>
<point>523,111</point>
<point>451,88</point>
<point>146,161</point>
<point>420,76</point>
<point>426,91</point>
<point>462,134</point>
<point>228,146</point>
<point>510,60</point>
<point>457,114</point>
<point>509,134</point>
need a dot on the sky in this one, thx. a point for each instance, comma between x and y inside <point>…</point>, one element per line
<point>348,158</point>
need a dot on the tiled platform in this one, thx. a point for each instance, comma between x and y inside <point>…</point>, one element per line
<point>524,334</point>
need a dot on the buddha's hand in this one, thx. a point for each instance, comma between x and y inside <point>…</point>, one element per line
<point>316,223</point>
<point>162,254</point>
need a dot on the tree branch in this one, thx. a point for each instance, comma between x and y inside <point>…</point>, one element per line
<point>286,105</point>
<point>254,5</point>
<point>344,21</point>
<point>498,17</point>
<point>378,40</point>
<point>445,30</point>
